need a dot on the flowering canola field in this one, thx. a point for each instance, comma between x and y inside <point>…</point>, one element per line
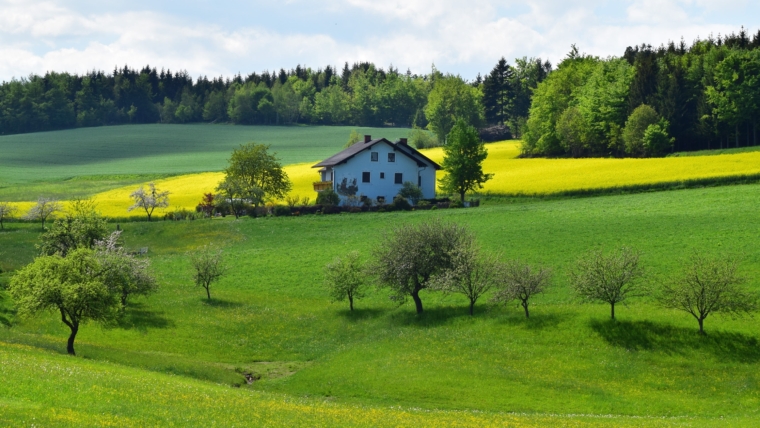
<point>511,176</point>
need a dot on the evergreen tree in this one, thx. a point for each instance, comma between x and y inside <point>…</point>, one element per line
<point>497,93</point>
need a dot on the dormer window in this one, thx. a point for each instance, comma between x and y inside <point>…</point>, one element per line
<point>373,156</point>
<point>391,157</point>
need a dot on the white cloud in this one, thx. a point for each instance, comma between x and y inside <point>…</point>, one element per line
<point>461,37</point>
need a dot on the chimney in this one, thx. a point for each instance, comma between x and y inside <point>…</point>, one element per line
<point>403,142</point>
<point>367,138</point>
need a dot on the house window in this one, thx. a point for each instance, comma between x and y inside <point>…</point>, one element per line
<point>391,157</point>
<point>365,177</point>
<point>381,199</point>
<point>399,178</point>
<point>373,156</point>
<point>382,175</point>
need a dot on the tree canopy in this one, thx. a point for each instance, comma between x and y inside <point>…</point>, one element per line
<point>257,174</point>
<point>463,160</point>
<point>69,285</point>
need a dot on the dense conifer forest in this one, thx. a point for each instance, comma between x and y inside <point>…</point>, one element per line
<point>648,102</point>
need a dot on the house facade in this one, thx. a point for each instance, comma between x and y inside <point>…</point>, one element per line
<point>376,169</point>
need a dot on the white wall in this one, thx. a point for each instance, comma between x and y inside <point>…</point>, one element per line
<point>377,186</point>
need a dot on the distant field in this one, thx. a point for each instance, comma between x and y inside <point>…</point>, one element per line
<point>85,161</point>
<point>512,176</point>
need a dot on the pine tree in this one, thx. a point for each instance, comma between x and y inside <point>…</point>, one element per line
<point>498,93</point>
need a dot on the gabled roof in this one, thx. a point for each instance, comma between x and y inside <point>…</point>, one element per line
<point>359,147</point>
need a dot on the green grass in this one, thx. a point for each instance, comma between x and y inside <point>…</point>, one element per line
<point>80,162</point>
<point>718,151</point>
<point>271,316</point>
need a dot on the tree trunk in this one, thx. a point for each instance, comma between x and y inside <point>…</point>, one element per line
<point>701,325</point>
<point>208,292</point>
<point>417,301</point>
<point>350,302</point>
<point>612,310</point>
<point>472,307</point>
<point>525,306</point>
<point>461,196</point>
<point>737,134</point>
<point>72,336</point>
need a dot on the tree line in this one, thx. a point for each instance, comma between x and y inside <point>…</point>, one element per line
<point>649,102</point>
<point>361,94</point>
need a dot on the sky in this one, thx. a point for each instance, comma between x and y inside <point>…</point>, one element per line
<point>223,38</point>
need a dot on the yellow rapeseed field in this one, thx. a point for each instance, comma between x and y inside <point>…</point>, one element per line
<point>511,176</point>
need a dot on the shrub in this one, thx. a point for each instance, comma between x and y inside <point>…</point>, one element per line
<point>456,204</point>
<point>422,139</point>
<point>400,203</point>
<point>331,209</point>
<point>281,210</point>
<point>328,197</point>
<point>410,191</point>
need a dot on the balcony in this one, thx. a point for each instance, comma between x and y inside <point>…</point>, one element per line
<point>322,185</point>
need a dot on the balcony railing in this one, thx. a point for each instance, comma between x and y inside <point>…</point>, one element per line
<point>322,185</point>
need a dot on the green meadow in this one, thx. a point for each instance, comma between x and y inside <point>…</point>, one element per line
<point>270,316</point>
<point>85,161</point>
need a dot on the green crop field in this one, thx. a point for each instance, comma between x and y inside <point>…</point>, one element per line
<point>567,365</point>
<point>85,161</point>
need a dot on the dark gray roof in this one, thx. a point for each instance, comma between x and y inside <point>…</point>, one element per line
<point>359,147</point>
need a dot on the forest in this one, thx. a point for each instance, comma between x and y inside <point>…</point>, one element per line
<point>648,102</point>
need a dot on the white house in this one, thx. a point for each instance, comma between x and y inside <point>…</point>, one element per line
<point>377,169</point>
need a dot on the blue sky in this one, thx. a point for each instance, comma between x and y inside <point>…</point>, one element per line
<point>223,38</point>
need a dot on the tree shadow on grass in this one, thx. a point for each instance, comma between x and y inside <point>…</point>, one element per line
<point>646,335</point>
<point>537,321</point>
<point>221,303</point>
<point>136,317</point>
<point>434,317</point>
<point>359,314</point>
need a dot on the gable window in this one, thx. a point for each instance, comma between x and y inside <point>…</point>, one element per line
<point>365,177</point>
<point>399,178</point>
<point>373,156</point>
<point>391,157</point>
<point>382,175</point>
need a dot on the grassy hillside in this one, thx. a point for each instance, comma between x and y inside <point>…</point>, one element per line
<point>89,160</point>
<point>270,315</point>
<point>42,388</point>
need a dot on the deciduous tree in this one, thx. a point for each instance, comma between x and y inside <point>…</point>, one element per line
<point>463,161</point>
<point>346,278</point>
<point>123,273</point>
<point>149,200</point>
<point>258,173</point>
<point>610,278</point>
<point>208,266</point>
<point>70,285</point>
<point>44,209</point>
<point>520,281</point>
<point>471,274</point>
<point>408,257</point>
<point>707,285</point>
<point>7,211</point>
<point>81,227</point>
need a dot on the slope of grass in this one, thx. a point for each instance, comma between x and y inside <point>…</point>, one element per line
<point>40,388</point>
<point>34,164</point>
<point>270,315</point>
